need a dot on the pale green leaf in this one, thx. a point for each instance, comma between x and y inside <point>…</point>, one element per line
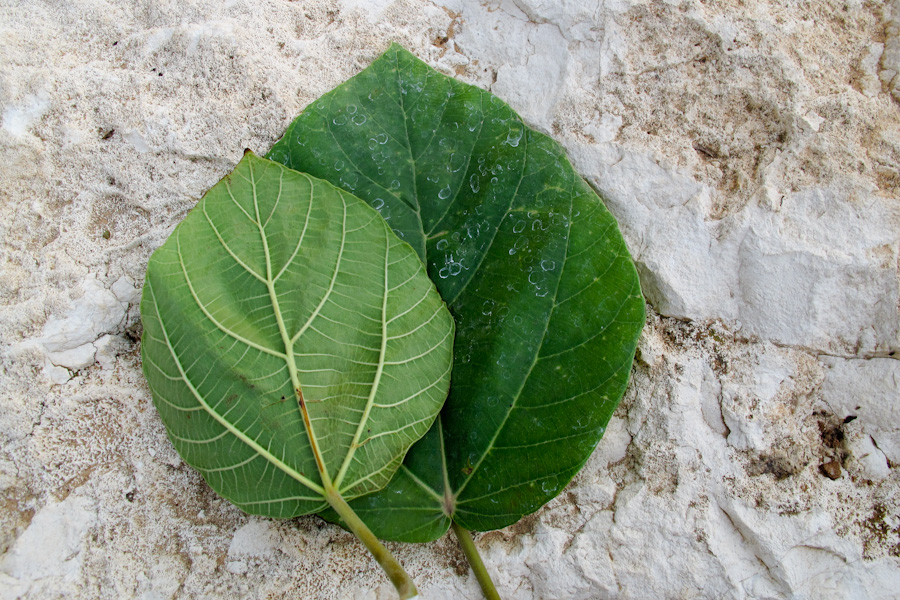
<point>280,292</point>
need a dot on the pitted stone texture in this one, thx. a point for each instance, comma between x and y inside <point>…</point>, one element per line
<point>890,51</point>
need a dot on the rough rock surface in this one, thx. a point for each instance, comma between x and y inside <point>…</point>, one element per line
<point>750,151</point>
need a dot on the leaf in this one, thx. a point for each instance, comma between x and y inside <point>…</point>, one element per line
<point>545,296</point>
<point>293,345</point>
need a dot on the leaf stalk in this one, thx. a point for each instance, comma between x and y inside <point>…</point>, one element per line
<point>471,552</point>
<point>398,576</point>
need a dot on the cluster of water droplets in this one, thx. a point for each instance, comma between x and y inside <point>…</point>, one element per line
<point>381,154</point>
<point>378,140</point>
<point>495,311</point>
<point>453,266</point>
<point>349,114</point>
<point>384,209</point>
<point>516,130</point>
<point>539,264</point>
<point>319,155</point>
<point>348,180</point>
<point>407,86</point>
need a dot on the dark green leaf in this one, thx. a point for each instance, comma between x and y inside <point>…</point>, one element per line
<point>545,296</point>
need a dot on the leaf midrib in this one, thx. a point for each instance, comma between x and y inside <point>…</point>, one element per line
<point>412,161</point>
<point>537,356</point>
<point>454,495</point>
<point>282,328</point>
<point>289,341</point>
<point>220,419</point>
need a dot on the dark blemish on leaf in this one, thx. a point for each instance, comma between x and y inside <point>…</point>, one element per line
<point>105,135</point>
<point>130,496</point>
<point>275,402</point>
<point>849,418</point>
<point>230,399</point>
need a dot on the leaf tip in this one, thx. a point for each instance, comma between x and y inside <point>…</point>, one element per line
<point>396,48</point>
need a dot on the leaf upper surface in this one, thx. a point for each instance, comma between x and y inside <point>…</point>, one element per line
<point>278,282</point>
<point>544,293</point>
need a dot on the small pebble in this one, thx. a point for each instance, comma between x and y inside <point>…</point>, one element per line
<point>832,469</point>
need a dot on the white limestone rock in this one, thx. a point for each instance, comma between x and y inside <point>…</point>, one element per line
<point>865,456</point>
<point>751,403</point>
<point>820,272</point>
<point>258,538</point>
<point>108,347</point>
<point>687,264</point>
<point>531,82</point>
<point>869,83</point>
<point>69,341</point>
<point>125,291</point>
<point>49,550</point>
<point>682,529</point>
<point>802,557</point>
<point>870,391</point>
<point>255,541</point>
<point>54,374</point>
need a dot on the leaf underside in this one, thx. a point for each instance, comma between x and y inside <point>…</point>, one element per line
<point>544,293</point>
<point>278,282</point>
